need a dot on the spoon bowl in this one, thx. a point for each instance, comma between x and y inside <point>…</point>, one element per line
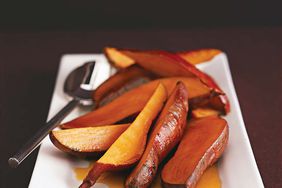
<point>78,85</point>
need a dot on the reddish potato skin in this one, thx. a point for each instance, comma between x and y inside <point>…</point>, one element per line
<point>143,174</point>
<point>223,103</point>
<point>97,170</point>
<point>166,64</point>
<point>94,174</point>
<point>194,57</point>
<point>165,135</point>
<point>174,65</point>
<point>122,81</point>
<point>223,100</point>
<point>219,103</point>
<point>208,157</point>
<point>160,62</point>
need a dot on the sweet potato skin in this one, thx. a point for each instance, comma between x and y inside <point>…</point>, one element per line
<point>194,57</point>
<point>165,135</point>
<point>191,56</point>
<point>202,144</point>
<point>219,103</point>
<point>144,173</point>
<point>95,173</point>
<point>133,101</point>
<point>160,62</point>
<point>168,64</point>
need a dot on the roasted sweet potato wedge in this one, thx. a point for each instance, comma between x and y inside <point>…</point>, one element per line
<point>161,62</point>
<point>168,64</point>
<point>121,82</point>
<point>166,134</point>
<point>204,112</point>
<point>133,101</point>
<point>202,144</point>
<point>199,56</point>
<point>129,147</point>
<point>88,141</point>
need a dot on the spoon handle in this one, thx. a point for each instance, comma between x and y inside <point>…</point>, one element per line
<point>35,141</point>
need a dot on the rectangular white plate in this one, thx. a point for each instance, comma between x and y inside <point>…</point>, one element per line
<point>237,167</point>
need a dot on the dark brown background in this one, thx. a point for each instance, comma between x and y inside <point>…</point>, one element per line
<point>34,35</point>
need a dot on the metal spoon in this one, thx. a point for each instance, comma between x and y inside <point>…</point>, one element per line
<point>78,86</point>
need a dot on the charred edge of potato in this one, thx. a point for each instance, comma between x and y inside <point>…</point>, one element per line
<point>151,166</point>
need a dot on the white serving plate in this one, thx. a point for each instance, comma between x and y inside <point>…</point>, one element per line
<point>237,167</point>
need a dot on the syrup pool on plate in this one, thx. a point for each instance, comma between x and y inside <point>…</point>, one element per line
<point>210,178</point>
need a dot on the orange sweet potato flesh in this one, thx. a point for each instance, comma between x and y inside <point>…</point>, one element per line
<point>124,80</point>
<point>118,59</point>
<point>88,141</point>
<point>168,64</point>
<point>133,101</point>
<point>165,135</point>
<point>202,144</point>
<point>130,145</point>
<point>199,56</point>
<point>204,112</point>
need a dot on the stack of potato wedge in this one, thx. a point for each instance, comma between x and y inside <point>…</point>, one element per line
<point>157,109</point>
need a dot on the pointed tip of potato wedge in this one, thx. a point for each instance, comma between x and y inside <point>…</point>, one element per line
<point>117,58</point>
<point>199,56</point>
<point>87,141</point>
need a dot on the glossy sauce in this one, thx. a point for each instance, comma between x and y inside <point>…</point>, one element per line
<point>111,179</point>
<point>210,178</point>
